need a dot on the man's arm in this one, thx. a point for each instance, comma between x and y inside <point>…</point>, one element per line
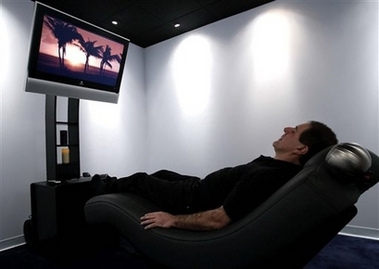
<point>207,220</point>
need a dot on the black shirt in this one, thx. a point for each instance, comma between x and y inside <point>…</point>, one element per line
<point>242,188</point>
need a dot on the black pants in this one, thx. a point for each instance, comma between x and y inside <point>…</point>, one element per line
<point>171,191</point>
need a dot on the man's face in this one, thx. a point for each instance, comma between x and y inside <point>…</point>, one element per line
<point>289,141</point>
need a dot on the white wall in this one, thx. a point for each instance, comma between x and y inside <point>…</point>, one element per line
<point>112,136</point>
<point>22,121</point>
<point>214,97</point>
<point>219,95</point>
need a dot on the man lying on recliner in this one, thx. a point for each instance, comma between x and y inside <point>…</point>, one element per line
<point>228,194</point>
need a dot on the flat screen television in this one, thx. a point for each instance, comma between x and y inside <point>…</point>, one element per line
<point>73,58</point>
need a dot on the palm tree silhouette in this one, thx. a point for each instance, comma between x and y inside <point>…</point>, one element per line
<point>64,33</point>
<point>119,58</point>
<point>89,49</point>
<point>107,57</point>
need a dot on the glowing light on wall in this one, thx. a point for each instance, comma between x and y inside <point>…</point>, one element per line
<point>4,44</point>
<point>192,71</point>
<point>104,115</point>
<point>271,45</point>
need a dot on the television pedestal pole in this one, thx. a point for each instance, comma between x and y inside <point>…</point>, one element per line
<point>62,150</point>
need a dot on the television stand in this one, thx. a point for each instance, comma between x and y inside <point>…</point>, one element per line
<point>57,167</point>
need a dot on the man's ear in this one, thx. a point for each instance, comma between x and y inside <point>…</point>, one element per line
<point>301,150</point>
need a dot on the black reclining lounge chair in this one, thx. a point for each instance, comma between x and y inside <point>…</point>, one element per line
<point>286,231</point>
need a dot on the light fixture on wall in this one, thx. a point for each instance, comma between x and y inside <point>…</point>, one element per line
<point>177,25</point>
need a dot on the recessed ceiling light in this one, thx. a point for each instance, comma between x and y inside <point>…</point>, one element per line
<point>176,25</point>
<point>114,22</point>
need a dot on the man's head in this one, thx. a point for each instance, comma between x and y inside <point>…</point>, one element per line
<point>298,144</point>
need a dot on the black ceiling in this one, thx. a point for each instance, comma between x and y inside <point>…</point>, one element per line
<point>147,22</point>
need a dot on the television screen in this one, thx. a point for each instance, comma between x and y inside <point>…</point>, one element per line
<point>73,58</point>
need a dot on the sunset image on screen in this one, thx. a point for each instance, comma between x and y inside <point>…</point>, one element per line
<point>69,51</point>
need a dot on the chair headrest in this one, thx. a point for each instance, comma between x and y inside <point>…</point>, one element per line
<point>353,163</point>
<point>350,158</point>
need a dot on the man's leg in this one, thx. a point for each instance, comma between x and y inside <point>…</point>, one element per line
<point>172,195</point>
<point>172,176</point>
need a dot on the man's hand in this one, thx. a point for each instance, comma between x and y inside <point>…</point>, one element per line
<point>207,220</point>
<point>157,219</point>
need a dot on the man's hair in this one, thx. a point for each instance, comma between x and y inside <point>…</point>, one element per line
<point>317,137</point>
